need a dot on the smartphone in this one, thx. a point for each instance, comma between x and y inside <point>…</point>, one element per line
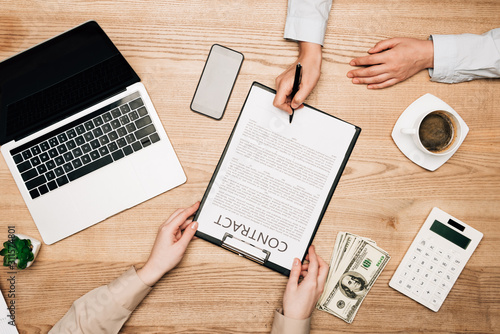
<point>217,81</point>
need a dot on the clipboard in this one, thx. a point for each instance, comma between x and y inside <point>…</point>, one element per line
<point>262,250</point>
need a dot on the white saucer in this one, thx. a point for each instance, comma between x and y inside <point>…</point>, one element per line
<point>407,119</point>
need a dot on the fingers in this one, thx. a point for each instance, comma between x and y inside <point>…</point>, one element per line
<point>384,84</point>
<point>301,96</point>
<point>313,263</point>
<point>180,217</point>
<point>368,71</point>
<point>185,224</point>
<point>173,215</point>
<point>284,86</point>
<point>293,280</point>
<point>311,71</point>
<point>372,80</point>
<point>187,235</point>
<point>280,101</point>
<point>384,45</point>
<point>374,59</point>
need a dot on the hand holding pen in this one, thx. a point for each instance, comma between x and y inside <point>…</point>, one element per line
<point>310,60</point>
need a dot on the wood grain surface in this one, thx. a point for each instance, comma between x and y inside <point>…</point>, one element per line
<point>382,195</point>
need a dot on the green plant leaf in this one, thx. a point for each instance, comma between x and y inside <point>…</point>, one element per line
<point>3,252</point>
<point>22,264</point>
<point>18,243</point>
<point>6,261</point>
<point>31,257</point>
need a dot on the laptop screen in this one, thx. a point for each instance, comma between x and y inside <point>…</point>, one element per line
<point>58,78</point>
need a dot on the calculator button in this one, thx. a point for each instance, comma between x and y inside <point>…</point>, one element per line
<point>440,272</point>
<point>453,269</point>
<point>449,277</point>
<point>444,264</point>
<point>405,274</point>
<point>419,249</point>
<point>432,247</point>
<point>417,290</point>
<point>409,286</point>
<point>439,294</point>
<point>422,262</point>
<point>428,292</point>
<point>435,259</point>
<point>427,275</point>
<point>457,262</point>
<point>414,257</point>
<point>435,280</point>
<point>448,257</point>
<point>400,281</point>
<point>440,252</point>
<point>421,283</point>
<point>413,278</point>
<point>431,266</point>
<point>434,301</point>
<point>427,254</point>
<point>410,265</point>
<point>444,285</point>
<point>418,270</point>
<point>422,243</point>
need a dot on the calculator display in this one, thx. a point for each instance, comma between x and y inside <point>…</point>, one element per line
<point>449,234</point>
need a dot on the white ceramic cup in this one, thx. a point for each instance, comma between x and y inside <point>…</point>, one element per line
<point>415,129</point>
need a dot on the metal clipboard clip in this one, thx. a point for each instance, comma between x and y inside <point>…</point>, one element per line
<point>245,249</point>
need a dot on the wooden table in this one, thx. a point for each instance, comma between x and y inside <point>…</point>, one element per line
<point>382,195</point>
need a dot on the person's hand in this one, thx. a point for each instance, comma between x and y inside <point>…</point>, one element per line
<point>170,245</point>
<point>300,299</point>
<point>392,61</point>
<point>310,58</point>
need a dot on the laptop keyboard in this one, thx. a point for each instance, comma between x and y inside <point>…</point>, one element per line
<point>83,146</point>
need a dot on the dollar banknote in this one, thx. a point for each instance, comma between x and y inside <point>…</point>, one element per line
<point>354,267</point>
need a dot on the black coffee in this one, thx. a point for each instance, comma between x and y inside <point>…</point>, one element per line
<point>436,132</point>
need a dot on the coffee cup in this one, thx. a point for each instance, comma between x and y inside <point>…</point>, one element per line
<point>435,132</point>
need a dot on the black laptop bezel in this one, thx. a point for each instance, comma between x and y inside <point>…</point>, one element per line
<point>104,49</point>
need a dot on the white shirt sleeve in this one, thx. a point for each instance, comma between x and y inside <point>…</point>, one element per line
<point>466,57</point>
<point>306,20</point>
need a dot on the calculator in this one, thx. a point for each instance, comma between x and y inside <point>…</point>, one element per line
<point>435,259</point>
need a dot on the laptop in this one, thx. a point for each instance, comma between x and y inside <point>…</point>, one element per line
<point>80,134</point>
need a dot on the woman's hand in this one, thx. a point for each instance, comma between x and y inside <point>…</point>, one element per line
<point>170,245</point>
<point>300,299</point>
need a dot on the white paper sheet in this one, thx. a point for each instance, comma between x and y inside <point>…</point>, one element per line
<point>275,178</point>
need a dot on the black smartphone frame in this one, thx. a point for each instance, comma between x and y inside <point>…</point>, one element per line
<point>193,108</point>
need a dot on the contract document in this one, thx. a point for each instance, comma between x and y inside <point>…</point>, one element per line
<point>274,181</point>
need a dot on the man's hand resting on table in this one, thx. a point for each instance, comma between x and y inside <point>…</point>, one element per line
<point>392,61</point>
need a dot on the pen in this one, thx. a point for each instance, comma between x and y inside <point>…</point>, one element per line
<point>296,84</point>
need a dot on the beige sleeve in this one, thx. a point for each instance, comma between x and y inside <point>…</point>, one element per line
<point>105,309</point>
<point>284,325</point>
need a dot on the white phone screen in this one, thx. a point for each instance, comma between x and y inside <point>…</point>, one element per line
<point>217,81</point>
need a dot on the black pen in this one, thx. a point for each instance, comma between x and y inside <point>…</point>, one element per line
<point>296,84</point>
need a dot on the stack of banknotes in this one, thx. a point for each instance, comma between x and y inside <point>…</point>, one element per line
<point>355,266</point>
